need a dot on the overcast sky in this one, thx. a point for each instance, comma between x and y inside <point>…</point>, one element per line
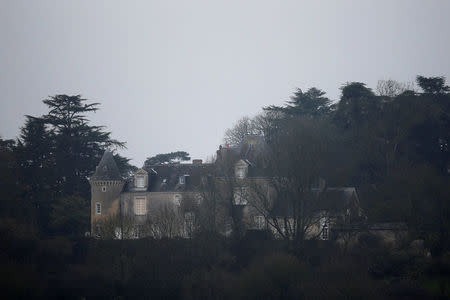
<point>173,75</point>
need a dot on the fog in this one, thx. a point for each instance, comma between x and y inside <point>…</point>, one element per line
<point>173,75</point>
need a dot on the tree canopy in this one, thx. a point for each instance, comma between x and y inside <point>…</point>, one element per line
<point>167,158</point>
<point>58,151</point>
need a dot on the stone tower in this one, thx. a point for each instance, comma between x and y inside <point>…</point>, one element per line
<point>106,186</point>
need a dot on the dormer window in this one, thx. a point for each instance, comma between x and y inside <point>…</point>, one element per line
<point>182,179</point>
<point>140,181</point>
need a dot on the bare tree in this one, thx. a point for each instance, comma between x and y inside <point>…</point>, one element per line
<point>244,126</point>
<point>264,124</point>
<point>225,184</point>
<point>392,88</point>
<point>115,227</point>
<point>208,208</point>
<point>166,221</point>
<point>289,200</point>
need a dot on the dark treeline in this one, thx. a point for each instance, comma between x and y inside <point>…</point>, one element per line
<point>391,144</point>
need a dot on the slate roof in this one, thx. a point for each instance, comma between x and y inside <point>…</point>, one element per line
<point>251,149</point>
<point>165,178</point>
<point>107,168</point>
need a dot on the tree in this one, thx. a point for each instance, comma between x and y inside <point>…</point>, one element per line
<point>167,158</point>
<point>263,124</point>
<point>125,168</point>
<point>225,185</point>
<point>58,151</point>
<point>243,127</point>
<point>12,202</point>
<point>391,88</point>
<point>357,106</point>
<point>166,221</point>
<point>70,215</point>
<point>77,145</point>
<point>115,226</point>
<point>432,85</point>
<point>36,156</point>
<point>310,103</point>
<point>298,158</point>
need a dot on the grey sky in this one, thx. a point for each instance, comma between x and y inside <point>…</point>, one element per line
<point>173,75</point>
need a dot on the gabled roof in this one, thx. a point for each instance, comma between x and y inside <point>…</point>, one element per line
<point>165,178</point>
<point>140,172</point>
<point>107,168</point>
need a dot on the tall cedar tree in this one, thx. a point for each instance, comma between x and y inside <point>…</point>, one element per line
<point>312,103</point>
<point>78,145</point>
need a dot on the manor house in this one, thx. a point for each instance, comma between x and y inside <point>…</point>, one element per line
<point>178,199</point>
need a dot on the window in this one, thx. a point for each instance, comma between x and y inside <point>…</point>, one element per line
<point>98,208</point>
<point>97,231</point>
<point>240,196</point>
<point>325,232</point>
<point>325,228</point>
<point>137,231</point>
<point>103,188</point>
<point>140,181</point>
<point>118,233</point>
<point>259,222</point>
<point>177,199</point>
<point>140,206</point>
<point>240,172</point>
<point>182,179</point>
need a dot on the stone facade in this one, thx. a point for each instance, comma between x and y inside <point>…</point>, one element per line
<point>177,199</point>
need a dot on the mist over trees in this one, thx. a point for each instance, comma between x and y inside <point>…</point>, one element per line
<point>390,143</point>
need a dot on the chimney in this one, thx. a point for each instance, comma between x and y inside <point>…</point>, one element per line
<point>197,161</point>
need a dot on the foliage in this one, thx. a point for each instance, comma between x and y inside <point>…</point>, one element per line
<point>78,145</point>
<point>433,85</point>
<point>299,155</point>
<point>70,216</point>
<point>167,158</point>
<point>55,154</point>
<point>310,103</point>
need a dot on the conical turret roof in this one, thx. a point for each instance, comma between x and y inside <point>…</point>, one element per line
<point>107,168</point>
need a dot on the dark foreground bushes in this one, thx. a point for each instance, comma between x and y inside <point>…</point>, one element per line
<point>212,267</point>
